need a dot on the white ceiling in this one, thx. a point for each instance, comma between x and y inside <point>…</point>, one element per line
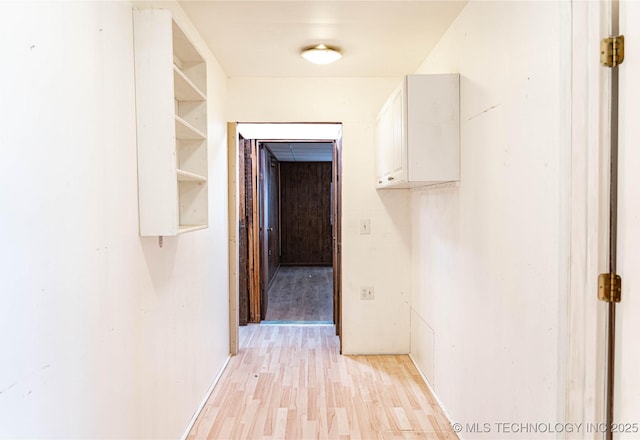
<point>377,38</point>
<point>301,151</point>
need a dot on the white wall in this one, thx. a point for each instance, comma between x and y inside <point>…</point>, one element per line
<point>487,254</point>
<point>381,259</point>
<point>103,333</point>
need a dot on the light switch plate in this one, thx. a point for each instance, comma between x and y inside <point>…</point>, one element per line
<point>365,226</point>
<point>366,293</point>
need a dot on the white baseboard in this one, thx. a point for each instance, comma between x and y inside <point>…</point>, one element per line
<point>435,396</point>
<point>204,401</point>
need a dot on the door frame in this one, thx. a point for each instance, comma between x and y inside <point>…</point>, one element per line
<point>233,139</point>
<point>585,220</point>
<point>233,209</point>
<point>336,231</point>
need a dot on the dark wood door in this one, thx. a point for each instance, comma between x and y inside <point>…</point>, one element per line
<point>272,177</point>
<point>244,188</point>
<point>248,237</point>
<point>269,224</point>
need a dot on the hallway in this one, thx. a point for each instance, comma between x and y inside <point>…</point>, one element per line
<point>491,283</point>
<point>301,294</point>
<point>290,382</point>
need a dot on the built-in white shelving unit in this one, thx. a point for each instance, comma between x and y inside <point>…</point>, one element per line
<point>418,133</point>
<point>171,108</point>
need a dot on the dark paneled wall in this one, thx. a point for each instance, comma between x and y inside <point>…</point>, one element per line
<point>306,213</point>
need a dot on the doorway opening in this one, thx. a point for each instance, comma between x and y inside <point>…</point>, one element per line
<point>284,225</point>
<point>296,197</point>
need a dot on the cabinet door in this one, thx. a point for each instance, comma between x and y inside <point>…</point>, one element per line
<point>390,139</point>
<point>384,145</point>
<point>398,146</point>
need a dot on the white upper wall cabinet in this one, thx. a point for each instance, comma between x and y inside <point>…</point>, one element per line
<point>171,109</point>
<point>418,133</point>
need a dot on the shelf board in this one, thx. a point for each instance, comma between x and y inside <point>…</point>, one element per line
<point>183,48</point>
<point>187,132</point>
<point>184,88</point>
<point>189,228</point>
<point>186,176</point>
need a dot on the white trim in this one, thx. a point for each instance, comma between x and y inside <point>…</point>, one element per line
<point>204,401</point>
<point>567,204</point>
<point>435,396</point>
<point>293,130</point>
<point>584,369</point>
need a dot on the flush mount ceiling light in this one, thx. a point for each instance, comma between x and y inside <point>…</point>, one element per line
<point>321,54</point>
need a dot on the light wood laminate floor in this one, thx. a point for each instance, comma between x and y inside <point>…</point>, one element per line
<point>290,382</point>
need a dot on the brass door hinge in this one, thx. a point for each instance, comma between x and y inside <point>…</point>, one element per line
<point>612,51</point>
<point>609,287</point>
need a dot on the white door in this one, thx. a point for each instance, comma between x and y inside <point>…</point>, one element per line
<point>589,224</point>
<point>627,401</point>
